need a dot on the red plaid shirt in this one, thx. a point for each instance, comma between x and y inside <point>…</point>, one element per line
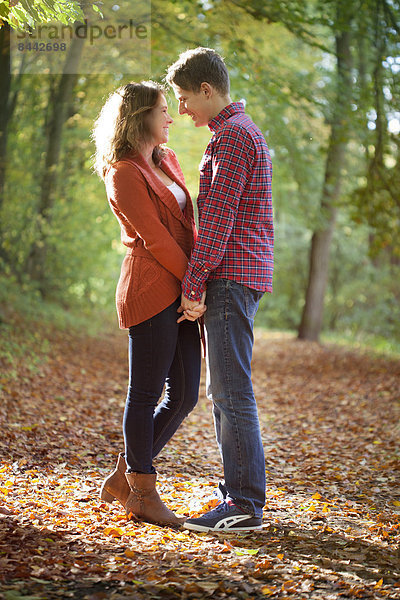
<point>236,235</point>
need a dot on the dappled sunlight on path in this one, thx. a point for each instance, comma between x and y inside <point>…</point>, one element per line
<point>330,426</point>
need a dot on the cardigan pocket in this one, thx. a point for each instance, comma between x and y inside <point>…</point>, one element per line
<point>138,274</point>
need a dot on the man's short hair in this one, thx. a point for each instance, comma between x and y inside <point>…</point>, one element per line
<point>194,67</point>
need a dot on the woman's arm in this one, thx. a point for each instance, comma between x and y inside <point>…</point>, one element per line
<point>128,193</point>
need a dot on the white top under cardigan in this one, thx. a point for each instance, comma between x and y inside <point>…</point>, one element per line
<point>179,194</point>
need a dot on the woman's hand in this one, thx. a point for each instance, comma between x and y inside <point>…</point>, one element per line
<point>191,309</point>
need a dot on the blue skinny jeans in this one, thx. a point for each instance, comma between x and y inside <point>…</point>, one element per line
<point>162,353</point>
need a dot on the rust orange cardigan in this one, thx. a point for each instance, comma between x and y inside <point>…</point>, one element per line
<point>158,235</point>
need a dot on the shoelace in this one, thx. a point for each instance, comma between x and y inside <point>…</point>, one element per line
<point>224,506</point>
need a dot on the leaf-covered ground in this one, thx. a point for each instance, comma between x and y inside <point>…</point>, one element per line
<point>330,423</point>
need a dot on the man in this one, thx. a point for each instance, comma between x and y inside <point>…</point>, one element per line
<point>233,262</point>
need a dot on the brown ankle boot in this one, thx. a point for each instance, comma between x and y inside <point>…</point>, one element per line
<point>145,504</point>
<point>115,486</point>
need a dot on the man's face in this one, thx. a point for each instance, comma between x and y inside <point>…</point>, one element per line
<point>196,105</point>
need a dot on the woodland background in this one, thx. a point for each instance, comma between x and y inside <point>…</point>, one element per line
<point>321,78</point>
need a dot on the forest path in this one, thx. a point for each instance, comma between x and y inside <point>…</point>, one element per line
<point>330,426</point>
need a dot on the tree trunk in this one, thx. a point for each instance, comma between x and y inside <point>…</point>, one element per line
<point>311,321</point>
<point>5,88</point>
<point>9,90</point>
<point>59,103</point>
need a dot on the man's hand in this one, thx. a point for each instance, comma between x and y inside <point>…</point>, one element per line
<point>192,309</point>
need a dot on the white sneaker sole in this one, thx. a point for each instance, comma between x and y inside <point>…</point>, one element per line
<point>221,529</point>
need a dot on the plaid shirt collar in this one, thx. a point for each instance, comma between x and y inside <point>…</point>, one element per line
<point>228,111</point>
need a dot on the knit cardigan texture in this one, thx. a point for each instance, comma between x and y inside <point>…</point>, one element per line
<point>159,236</point>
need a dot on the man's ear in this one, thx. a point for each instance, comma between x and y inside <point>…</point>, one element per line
<point>206,89</point>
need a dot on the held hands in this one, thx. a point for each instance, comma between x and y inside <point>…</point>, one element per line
<point>191,309</point>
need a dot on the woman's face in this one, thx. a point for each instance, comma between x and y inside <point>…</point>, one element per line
<point>160,121</point>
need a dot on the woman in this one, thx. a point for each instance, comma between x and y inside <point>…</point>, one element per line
<point>147,194</point>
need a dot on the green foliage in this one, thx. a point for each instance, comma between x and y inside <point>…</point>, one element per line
<point>288,87</point>
<point>363,296</point>
<point>375,200</point>
<point>362,300</point>
<point>378,206</point>
<point>367,343</point>
<point>81,229</point>
<point>28,13</point>
<point>281,309</point>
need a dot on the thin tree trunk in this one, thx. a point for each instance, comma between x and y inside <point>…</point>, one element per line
<point>311,321</point>
<point>5,88</point>
<point>9,89</point>
<point>59,103</point>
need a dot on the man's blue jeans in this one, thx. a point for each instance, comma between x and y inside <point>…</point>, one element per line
<point>229,321</point>
<point>161,351</point>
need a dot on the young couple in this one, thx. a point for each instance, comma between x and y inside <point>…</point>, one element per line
<point>172,275</point>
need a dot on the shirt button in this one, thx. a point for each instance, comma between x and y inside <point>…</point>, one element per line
<point>205,270</point>
<point>192,293</point>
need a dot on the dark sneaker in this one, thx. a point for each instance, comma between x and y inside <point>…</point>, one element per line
<point>225,517</point>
